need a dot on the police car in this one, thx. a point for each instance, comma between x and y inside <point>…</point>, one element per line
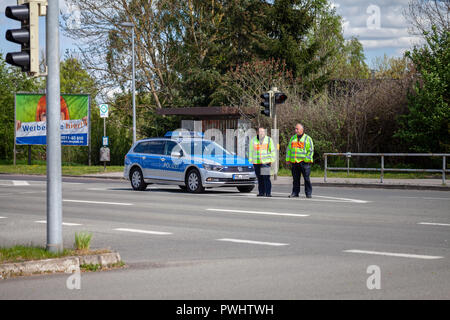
<point>189,161</point>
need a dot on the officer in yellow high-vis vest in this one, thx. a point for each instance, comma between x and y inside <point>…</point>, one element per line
<point>262,154</point>
<point>299,153</point>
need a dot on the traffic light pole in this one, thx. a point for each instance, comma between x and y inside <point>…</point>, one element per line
<point>274,126</point>
<point>54,190</point>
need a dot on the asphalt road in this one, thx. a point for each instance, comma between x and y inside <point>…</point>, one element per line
<point>227,245</point>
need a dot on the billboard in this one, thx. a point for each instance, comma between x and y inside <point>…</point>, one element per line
<point>30,119</point>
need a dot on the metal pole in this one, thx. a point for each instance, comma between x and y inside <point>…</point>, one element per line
<point>325,175</point>
<point>15,132</point>
<point>444,165</point>
<point>104,134</point>
<point>29,154</point>
<point>274,118</point>
<point>382,168</point>
<point>348,165</point>
<point>89,132</point>
<point>133,88</point>
<point>54,191</point>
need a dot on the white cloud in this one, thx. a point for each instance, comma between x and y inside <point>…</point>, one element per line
<point>391,36</point>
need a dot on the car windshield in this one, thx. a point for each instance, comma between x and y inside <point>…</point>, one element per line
<point>204,148</point>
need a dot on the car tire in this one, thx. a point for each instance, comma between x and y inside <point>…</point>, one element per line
<point>245,189</point>
<point>137,180</point>
<point>194,181</point>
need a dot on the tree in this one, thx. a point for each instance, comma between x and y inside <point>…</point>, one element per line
<point>393,68</point>
<point>426,128</point>
<point>306,34</point>
<point>11,81</point>
<point>423,14</point>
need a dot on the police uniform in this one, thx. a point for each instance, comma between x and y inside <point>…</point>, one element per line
<point>261,155</point>
<point>299,153</point>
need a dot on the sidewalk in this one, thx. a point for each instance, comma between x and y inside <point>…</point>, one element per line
<point>417,184</point>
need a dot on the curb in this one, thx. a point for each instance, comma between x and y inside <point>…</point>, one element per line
<point>66,265</point>
<point>380,186</point>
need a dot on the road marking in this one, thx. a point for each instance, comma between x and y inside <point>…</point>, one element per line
<point>435,224</point>
<point>254,242</point>
<point>143,231</point>
<point>3,217</point>
<point>390,254</point>
<point>20,183</point>
<point>64,223</point>
<point>326,199</point>
<point>425,198</point>
<point>99,202</point>
<point>260,212</point>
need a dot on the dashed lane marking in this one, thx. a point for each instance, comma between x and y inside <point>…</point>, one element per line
<point>254,242</point>
<point>259,212</point>
<point>143,231</point>
<point>392,254</point>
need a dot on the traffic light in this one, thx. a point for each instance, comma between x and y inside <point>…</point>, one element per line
<point>280,97</point>
<point>266,103</point>
<point>27,12</point>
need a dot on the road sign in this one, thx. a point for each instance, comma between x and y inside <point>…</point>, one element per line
<point>104,111</point>
<point>105,141</point>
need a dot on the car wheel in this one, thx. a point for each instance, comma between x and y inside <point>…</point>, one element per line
<point>194,182</point>
<point>246,189</point>
<point>137,180</point>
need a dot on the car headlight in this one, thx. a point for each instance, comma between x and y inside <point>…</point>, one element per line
<point>211,167</point>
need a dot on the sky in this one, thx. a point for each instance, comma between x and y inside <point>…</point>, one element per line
<point>378,24</point>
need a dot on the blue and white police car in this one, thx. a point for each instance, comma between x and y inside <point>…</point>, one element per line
<point>189,161</point>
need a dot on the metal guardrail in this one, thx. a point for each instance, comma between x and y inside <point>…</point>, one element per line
<point>348,155</point>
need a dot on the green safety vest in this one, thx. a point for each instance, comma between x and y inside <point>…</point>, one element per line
<point>300,150</point>
<point>261,152</point>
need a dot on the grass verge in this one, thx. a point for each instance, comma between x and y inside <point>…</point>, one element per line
<point>21,253</point>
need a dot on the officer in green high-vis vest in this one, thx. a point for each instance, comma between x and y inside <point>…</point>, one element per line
<point>262,154</point>
<point>299,153</point>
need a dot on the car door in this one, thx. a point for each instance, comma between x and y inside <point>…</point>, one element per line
<point>173,165</point>
<point>151,161</point>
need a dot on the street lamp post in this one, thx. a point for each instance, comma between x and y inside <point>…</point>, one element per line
<point>131,25</point>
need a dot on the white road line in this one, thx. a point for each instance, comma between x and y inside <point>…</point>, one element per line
<point>254,242</point>
<point>313,199</point>
<point>64,223</point>
<point>435,224</point>
<point>390,254</point>
<point>99,202</point>
<point>425,198</point>
<point>260,212</point>
<point>3,217</point>
<point>143,231</point>
<point>20,183</point>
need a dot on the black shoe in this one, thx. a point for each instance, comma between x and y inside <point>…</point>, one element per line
<point>293,195</point>
<point>268,195</point>
<point>260,195</point>
<point>309,196</point>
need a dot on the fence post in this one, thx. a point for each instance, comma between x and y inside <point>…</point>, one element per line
<point>325,175</point>
<point>382,168</point>
<point>444,165</point>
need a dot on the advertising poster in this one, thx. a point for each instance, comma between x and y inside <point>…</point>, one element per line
<point>31,118</point>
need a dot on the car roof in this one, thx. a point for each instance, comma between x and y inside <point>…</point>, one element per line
<point>174,139</point>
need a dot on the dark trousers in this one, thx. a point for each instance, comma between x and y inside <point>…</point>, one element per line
<point>262,172</point>
<point>299,169</point>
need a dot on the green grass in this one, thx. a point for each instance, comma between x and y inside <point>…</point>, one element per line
<point>67,169</point>
<point>83,240</point>
<point>20,253</point>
